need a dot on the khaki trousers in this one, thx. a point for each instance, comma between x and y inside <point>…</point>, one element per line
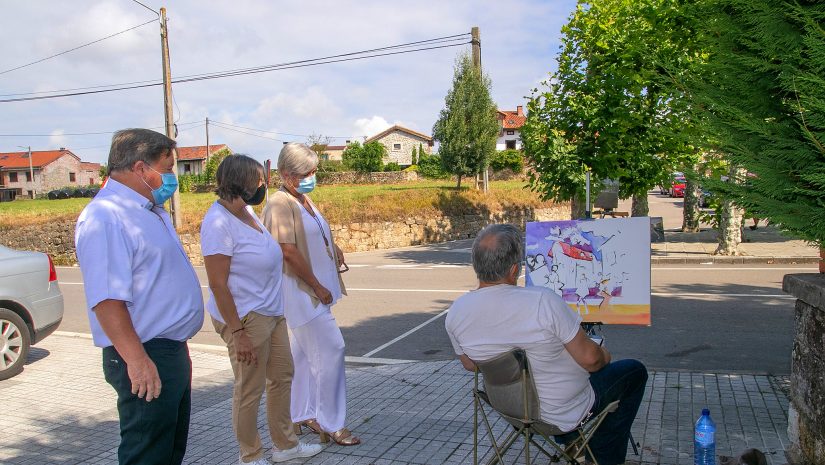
<point>272,373</point>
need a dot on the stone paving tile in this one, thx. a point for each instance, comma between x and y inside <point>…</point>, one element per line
<point>61,411</point>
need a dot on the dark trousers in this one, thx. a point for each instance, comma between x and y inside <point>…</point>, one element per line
<point>153,433</point>
<point>624,381</point>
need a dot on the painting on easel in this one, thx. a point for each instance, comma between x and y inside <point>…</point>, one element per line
<point>601,268</point>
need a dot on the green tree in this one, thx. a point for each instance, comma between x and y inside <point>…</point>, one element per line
<point>103,171</point>
<point>212,165</point>
<point>319,143</point>
<point>467,127</point>
<point>762,99</point>
<point>512,159</point>
<point>607,109</point>
<point>430,166</point>
<point>414,157</point>
<point>367,158</point>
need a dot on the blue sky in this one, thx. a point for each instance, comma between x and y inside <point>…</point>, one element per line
<point>520,39</point>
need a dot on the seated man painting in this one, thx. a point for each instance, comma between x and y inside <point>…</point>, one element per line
<point>574,376</point>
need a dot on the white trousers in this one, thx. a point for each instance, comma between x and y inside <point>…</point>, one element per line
<point>319,385</point>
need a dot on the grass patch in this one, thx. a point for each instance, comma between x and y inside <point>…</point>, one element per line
<point>341,204</point>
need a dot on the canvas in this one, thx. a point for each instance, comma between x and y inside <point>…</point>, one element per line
<point>601,268</point>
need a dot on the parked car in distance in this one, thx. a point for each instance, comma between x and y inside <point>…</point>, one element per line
<point>31,305</point>
<point>677,189</point>
<point>665,188</point>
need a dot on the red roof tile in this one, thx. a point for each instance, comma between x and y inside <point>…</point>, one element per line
<point>511,119</point>
<point>40,158</point>
<point>399,128</point>
<point>198,152</point>
<point>89,166</point>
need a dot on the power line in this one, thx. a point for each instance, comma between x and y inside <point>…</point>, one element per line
<point>92,133</point>
<point>273,132</point>
<point>144,6</point>
<point>78,47</point>
<point>244,132</point>
<point>260,69</point>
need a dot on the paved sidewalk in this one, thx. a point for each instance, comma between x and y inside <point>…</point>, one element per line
<point>61,411</point>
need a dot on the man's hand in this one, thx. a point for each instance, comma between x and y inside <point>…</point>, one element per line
<point>340,255</point>
<point>323,294</point>
<point>144,377</point>
<point>244,350</point>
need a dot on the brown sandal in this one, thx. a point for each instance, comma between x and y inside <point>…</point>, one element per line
<point>342,437</point>
<point>312,424</point>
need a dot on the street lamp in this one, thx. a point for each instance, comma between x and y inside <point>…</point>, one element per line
<point>31,168</point>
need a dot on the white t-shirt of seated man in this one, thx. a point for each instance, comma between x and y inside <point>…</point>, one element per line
<point>493,320</point>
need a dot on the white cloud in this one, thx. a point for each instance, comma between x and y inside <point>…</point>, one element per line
<point>313,104</point>
<point>57,139</point>
<point>368,127</point>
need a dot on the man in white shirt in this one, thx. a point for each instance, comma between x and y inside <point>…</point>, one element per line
<point>574,376</point>
<point>143,297</point>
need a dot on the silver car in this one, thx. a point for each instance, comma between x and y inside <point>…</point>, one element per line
<point>31,305</point>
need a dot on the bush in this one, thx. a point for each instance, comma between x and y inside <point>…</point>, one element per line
<point>431,167</point>
<point>411,168</point>
<point>365,159</point>
<point>392,166</point>
<point>512,159</point>
<point>186,182</point>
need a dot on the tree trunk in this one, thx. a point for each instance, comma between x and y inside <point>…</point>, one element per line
<point>577,207</point>
<point>640,206</point>
<point>730,221</point>
<point>690,212</point>
<point>458,186</point>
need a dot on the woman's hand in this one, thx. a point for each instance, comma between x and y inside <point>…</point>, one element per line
<point>244,351</point>
<point>340,254</point>
<point>323,294</point>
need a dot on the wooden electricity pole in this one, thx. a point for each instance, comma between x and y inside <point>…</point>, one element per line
<point>175,210</point>
<point>207,140</point>
<point>484,180</point>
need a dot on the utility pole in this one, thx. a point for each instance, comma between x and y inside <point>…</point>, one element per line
<point>207,140</point>
<point>476,42</point>
<point>31,173</point>
<point>167,110</point>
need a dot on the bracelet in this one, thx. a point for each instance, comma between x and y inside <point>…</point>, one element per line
<point>242,328</point>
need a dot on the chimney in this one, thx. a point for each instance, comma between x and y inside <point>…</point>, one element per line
<point>62,149</point>
<point>348,141</point>
<point>285,142</point>
<point>520,110</point>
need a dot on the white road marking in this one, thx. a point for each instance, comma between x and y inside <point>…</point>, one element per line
<point>710,294</point>
<point>735,268</point>
<point>415,265</point>
<point>375,289</point>
<point>384,346</point>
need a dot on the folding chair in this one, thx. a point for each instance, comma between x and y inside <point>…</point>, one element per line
<point>510,390</point>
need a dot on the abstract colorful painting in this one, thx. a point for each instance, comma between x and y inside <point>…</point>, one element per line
<point>601,268</point>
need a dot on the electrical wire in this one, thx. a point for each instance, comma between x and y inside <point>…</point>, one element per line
<point>144,6</point>
<point>93,133</point>
<point>273,132</point>
<point>78,47</point>
<point>261,69</point>
<point>247,133</point>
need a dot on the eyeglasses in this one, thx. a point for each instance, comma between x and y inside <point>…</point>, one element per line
<point>344,268</point>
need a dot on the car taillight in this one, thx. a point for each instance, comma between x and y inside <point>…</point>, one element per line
<point>52,271</point>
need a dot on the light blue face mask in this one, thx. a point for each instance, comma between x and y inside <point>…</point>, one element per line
<point>169,184</point>
<point>306,185</point>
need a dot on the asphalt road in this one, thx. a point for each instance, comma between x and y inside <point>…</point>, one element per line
<point>718,318</point>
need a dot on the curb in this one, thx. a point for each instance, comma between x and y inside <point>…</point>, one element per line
<point>741,260</point>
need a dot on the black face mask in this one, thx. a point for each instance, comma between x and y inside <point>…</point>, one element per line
<point>257,197</point>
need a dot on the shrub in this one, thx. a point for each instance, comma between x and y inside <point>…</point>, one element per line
<point>431,167</point>
<point>512,159</point>
<point>365,159</point>
<point>392,166</point>
<point>186,182</point>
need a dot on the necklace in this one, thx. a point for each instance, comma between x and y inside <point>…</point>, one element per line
<point>311,213</point>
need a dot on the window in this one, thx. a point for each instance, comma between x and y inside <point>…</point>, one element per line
<point>187,168</point>
<point>396,147</point>
<point>91,181</point>
<point>12,177</point>
<point>28,176</point>
<point>510,132</point>
<point>30,194</point>
<point>72,177</point>
<point>510,144</point>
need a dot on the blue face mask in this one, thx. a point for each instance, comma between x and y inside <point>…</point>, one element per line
<point>169,184</point>
<point>306,185</point>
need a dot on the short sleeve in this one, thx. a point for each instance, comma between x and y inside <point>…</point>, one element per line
<point>556,317</point>
<point>105,255</point>
<point>216,235</point>
<point>456,347</point>
<point>277,218</point>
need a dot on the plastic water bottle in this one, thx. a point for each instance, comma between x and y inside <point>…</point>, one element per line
<point>704,440</point>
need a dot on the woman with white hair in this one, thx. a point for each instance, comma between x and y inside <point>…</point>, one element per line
<point>311,285</point>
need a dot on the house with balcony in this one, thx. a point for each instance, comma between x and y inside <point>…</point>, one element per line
<point>46,170</point>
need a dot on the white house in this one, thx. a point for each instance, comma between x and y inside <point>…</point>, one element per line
<point>510,122</point>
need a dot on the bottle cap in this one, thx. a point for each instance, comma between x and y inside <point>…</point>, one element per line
<point>705,412</point>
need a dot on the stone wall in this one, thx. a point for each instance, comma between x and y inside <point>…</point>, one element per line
<point>352,177</point>
<point>57,239</point>
<point>806,416</point>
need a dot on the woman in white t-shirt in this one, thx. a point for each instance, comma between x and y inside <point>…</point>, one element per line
<point>312,284</point>
<point>244,265</point>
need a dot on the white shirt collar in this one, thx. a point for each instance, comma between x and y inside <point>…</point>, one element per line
<point>128,194</point>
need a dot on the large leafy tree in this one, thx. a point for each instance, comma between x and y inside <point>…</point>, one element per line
<point>609,108</point>
<point>467,127</point>
<point>762,100</point>
<point>367,158</point>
